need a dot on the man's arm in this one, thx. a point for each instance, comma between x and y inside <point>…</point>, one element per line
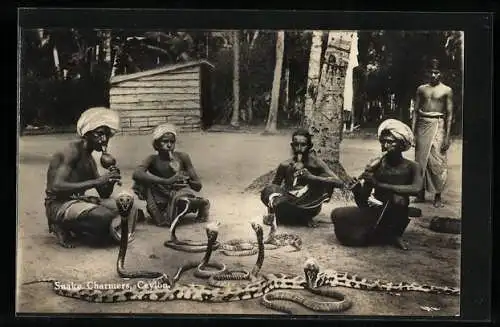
<point>361,194</point>
<point>280,175</point>
<point>412,189</point>
<point>326,176</point>
<point>416,109</point>
<point>69,156</point>
<point>194,180</point>
<point>104,190</point>
<point>141,174</point>
<point>449,117</point>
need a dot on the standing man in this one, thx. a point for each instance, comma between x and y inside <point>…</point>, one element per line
<point>431,125</point>
<point>72,172</point>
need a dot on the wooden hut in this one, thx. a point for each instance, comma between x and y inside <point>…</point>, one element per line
<point>178,94</point>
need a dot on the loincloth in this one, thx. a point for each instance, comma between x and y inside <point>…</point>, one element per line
<point>161,202</point>
<point>63,210</point>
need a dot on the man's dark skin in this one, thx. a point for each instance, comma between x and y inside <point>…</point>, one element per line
<point>400,193</point>
<point>161,163</point>
<point>172,170</point>
<point>301,145</point>
<point>74,171</point>
<point>434,97</point>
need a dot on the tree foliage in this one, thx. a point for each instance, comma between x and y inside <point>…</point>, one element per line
<point>390,63</point>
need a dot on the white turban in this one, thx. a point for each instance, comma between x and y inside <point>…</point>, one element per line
<point>93,118</point>
<point>399,130</point>
<point>163,129</point>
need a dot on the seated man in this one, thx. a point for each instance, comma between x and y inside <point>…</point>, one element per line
<point>166,177</point>
<point>72,172</point>
<point>382,218</point>
<point>308,183</point>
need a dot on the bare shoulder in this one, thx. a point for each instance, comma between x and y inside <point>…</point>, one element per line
<point>286,163</point>
<point>316,160</point>
<point>72,151</point>
<point>447,89</point>
<point>150,158</point>
<point>184,156</point>
<point>413,164</point>
<point>422,87</point>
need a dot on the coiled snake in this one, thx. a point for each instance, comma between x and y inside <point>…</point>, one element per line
<point>262,286</point>
<point>221,279</point>
<point>187,245</point>
<point>200,272</point>
<point>239,247</point>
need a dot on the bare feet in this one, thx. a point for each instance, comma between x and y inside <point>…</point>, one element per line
<point>438,203</point>
<point>312,224</point>
<point>419,199</point>
<point>141,217</point>
<point>63,237</point>
<point>268,219</point>
<point>401,244</point>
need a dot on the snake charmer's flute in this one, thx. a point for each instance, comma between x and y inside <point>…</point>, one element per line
<point>374,163</point>
<point>108,161</point>
<point>298,167</point>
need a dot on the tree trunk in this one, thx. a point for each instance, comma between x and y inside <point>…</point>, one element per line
<point>313,72</point>
<point>286,100</point>
<point>235,119</point>
<point>272,119</point>
<point>106,47</point>
<point>249,106</point>
<point>324,103</point>
<point>325,120</point>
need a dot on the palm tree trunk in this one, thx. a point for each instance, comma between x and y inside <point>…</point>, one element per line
<point>325,120</point>
<point>313,72</point>
<point>106,47</point>
<point>235,119</point>
<point>272,119</point>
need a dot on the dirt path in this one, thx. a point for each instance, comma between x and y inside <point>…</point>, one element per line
<point>227,163</point>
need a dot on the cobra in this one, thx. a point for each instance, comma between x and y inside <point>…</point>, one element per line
<point>124,204</point>
<point>239,247</point>
<point>256,288</point>
<point>259,288</point>
<point>187,245</point>
<point>212,231</point>
<point>221,279</point>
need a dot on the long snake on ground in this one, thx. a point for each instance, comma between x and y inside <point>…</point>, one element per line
<point>240,247</point>
<point>257,287</point>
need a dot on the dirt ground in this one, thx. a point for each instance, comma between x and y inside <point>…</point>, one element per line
<point>227,163</point>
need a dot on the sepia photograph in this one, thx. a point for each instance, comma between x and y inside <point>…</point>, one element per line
<point>239,171</point>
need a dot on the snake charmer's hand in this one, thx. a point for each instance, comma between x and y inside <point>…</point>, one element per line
<point>109,177</point>
<point>176,179</point>
<point>445,146</point>
<point>369,177</point>
<point>115,169</point>
<point>306,174</point>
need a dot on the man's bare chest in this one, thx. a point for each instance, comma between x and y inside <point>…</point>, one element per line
<point>84,169</point>
<point>434,94</point>
<point>166,168</point>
